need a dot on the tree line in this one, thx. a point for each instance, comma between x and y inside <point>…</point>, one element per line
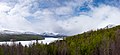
<point>20,37</point>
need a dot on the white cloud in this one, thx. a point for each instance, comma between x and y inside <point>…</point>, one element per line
<point>11,18</point>
<point>107,15</point>
<point>99,17</point>
<point>63,10</point>
<point>39,20</point>
<point>4,7</point>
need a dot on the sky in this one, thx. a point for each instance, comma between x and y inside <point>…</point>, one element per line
<point>67,17</point>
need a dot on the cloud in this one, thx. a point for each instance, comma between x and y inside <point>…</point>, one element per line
<point>60,16</point>
<point>11,18</point>
<point>63,11</point>
<point>99,17</point>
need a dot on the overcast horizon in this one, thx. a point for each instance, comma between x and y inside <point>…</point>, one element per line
<point>68,17</point>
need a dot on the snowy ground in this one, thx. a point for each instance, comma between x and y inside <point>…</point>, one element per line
<point>45,41</point>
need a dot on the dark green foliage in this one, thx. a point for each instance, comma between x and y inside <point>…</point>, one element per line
<point>19,37</point>
<point>100,42</point>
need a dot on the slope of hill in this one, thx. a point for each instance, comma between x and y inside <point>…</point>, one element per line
<point>101,42</point>
<point>19,37</point>
<point>7,35</point>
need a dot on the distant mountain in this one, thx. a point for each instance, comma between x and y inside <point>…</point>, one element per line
<point>110,26</point>
<point>9,32</point>
<point>7,35</point>
<point>16,32</point>
<point>44,34</point>
<point>50,34</point>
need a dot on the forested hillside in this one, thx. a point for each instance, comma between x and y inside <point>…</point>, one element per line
<point>100,42</point>
<point>20,37</point>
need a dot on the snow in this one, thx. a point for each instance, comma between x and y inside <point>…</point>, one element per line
<point>45,41</point>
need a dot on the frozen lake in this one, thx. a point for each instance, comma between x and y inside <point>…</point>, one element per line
<point>45,41</point>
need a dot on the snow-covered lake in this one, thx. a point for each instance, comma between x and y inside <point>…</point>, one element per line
<point>45,41</point>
